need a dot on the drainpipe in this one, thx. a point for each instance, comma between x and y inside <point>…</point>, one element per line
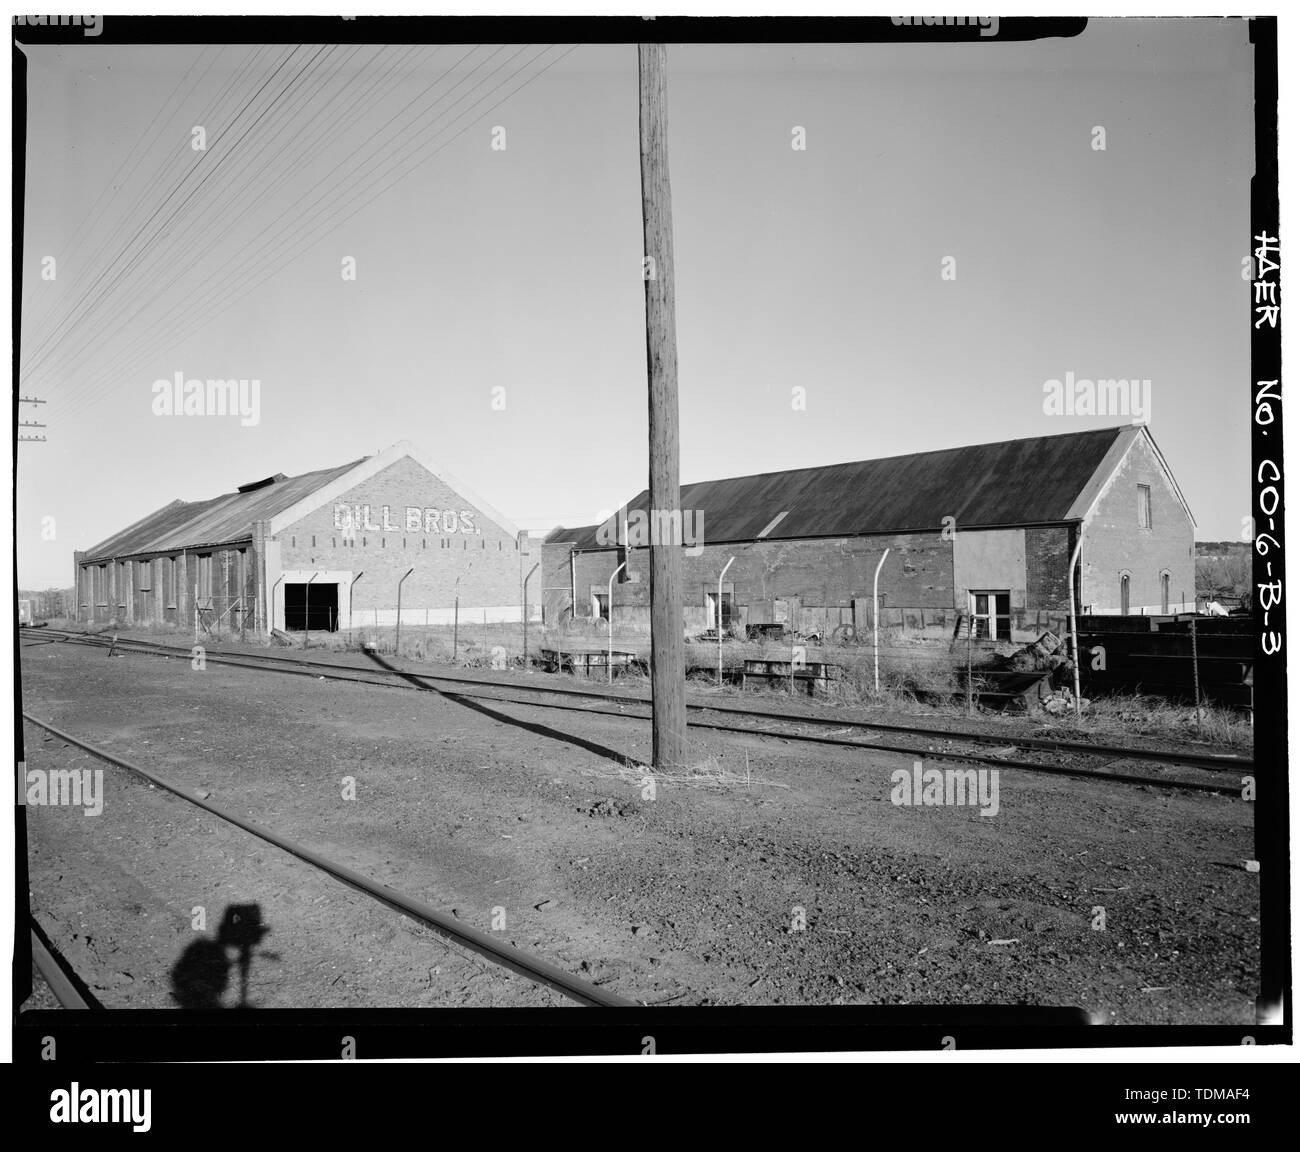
<point>397,636</point>
<point>719,620</point>
<point>609,601</point>
<point>875,617</point>
<point>1074,630</point>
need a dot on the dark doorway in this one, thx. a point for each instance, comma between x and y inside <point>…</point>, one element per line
<point>311,607</point>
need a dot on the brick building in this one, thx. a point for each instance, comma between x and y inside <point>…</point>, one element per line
<point>324,550</point>
<point>986,529</point>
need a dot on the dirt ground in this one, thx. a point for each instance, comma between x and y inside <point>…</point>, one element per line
<point>805,885</point>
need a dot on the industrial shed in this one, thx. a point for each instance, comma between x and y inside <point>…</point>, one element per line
<point>984,531</point>
<point>325,550</point>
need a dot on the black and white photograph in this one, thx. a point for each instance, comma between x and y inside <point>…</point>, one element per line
<point>718,521</point>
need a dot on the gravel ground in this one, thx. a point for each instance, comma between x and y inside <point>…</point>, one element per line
<point>804,886</point>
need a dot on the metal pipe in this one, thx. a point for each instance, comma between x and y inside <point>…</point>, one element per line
<point>970,661</point>
<point>1196,674</point>
<point>573,584</point>
<point>525,607</point>
<point>1074,628</point>
<point>306,611</point>
<point>719,620</point>
<point>397,637</point>
<point>875,617</point>
<point>609,607</point>
<point>270,624</point>
<point>350,602</point>
<point>455,622</point>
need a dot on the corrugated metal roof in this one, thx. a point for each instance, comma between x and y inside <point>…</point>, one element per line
<point>1033,481</point>
<point>221,520</point>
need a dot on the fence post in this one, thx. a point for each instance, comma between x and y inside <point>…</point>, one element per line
<point>1074,627</point>
<point>609,607</point>
<point>719,619</point>
<point>397,635</point>
<point>970,689</point>
<point>875,617</point>
<point>306,611</point>
<point>455,630</point>
<point>351,606</point>
<point>270,624</point>
<point>1196,672</point>
<point>525,612</point>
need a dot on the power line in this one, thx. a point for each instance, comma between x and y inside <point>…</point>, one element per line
<point>209,114</point>
<point>303,142</point>
<point>159,243</point>
<point>226,294</point>
<point>236,255</point>
<point>92,217</point>
<point>223,292</point>
<point>172,192</point>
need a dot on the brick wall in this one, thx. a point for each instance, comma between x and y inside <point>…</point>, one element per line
<point>159,588</point>
<point>1114,543</point>
<point>1047,562</point>
<point>808,574</point>
<point>405,517</point>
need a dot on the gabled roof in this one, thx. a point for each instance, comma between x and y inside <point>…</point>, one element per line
<point>224,519</point>
<point>330,489</point>
<point>1040,480</point>
<point>279,499</point>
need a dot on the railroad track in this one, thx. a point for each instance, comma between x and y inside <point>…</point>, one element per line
<point>532,968</point>
<point>57,973</point>
<point>387,675</point>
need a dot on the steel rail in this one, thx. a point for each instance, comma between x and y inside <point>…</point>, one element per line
<point>959,757</point>
<point>64,990</point>
<point>1210,761</point>
<point>538,971</point>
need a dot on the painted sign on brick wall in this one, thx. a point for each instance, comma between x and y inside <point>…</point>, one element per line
<point>386,518</point>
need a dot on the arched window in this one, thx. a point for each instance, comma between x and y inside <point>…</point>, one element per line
<point>1123,595</point>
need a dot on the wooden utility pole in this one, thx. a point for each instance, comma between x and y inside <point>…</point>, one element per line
<point>667,645</point>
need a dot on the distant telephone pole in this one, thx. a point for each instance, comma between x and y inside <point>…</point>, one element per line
<point>667,645</point>
<point>30,424</point>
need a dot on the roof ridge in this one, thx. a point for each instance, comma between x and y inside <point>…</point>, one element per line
<point>907,455</point>
<point>1029,480</point>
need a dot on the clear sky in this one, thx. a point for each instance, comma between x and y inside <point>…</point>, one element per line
<point>521,268</point>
